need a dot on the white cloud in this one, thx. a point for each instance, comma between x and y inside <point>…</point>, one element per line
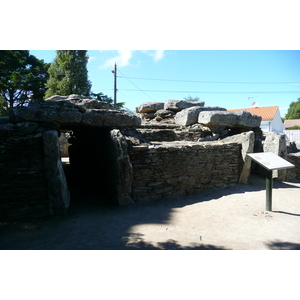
<point>122,59</point>
<point>158,55</point>
<point>91,58</point>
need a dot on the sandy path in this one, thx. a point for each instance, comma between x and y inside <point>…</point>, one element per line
<point>232,217</point>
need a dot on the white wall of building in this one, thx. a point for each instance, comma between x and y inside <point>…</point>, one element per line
<point>274,125</point>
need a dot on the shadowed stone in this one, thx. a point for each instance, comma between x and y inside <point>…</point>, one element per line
<point>114,118</point>
<point>59,196</point>
<point>68,113</point>
<point>47,111</point>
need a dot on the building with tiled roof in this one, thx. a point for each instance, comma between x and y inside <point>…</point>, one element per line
<point>291,123</point>
<point>271,119</point>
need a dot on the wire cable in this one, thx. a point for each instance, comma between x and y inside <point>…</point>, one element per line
<point>135,86</point>
<point>204,92</point>
<point>218,82</point>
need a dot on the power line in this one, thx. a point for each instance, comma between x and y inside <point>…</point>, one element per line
<point>204,92</point>
<point>126,95</point>
<point>136,86</point>
<point>218,82</point>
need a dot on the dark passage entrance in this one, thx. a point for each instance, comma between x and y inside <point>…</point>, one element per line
<point>91,174</point>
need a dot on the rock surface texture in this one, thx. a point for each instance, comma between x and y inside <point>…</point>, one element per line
<point>170,148</point>
<point>70,113</point>
<point>149,107</point>
<point>190,115</point>
<point>178,105</point>
<point>242,119</point>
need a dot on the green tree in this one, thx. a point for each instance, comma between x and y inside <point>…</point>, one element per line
<point>68,74</point>
<point>21,75</point>
<point>296,127</point>
<point>102,97</point>
<point>190,98</point>
<point>293,111</point>
<point>3,107</point>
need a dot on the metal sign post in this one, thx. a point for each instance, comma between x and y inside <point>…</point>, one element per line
<point>269,188</point>
<point>270,162</point>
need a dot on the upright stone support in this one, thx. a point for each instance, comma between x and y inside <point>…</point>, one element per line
<point>58,193</point>
<point>246,139</point>
<point>123,166</point>
<point>276,143</point>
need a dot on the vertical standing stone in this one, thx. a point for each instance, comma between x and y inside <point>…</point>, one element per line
<point>276,143</point>
<point>246,139</point>
<point>123,168</point>
<point>59,196</point>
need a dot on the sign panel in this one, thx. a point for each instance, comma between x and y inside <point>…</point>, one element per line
<point>270,161</point>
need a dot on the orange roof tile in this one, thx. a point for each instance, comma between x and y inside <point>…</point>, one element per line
<point>267,113</point>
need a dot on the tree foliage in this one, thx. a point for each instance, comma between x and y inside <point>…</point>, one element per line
<point>293,111</point>
<point>102,97</point>
<point>68,74</point>
<point>296,127</point>
<point>190,98</point>
<point>21,75</point>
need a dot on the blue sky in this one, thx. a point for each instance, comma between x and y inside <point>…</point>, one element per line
<point>225,78</point>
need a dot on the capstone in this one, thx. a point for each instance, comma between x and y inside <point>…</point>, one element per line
<point>190,115</point>
<point>240,119</point>
<point>149,107</point>
<point>178,105</point>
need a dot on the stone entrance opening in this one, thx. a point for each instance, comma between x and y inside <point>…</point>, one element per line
<point>90,170</point>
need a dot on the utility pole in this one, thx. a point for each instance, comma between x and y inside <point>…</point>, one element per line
<point>115,85</point>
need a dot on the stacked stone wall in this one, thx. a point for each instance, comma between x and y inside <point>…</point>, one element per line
<point>168,169</point>
<point>293,174</point>
<point>23,186</point>
<point>32,180</point>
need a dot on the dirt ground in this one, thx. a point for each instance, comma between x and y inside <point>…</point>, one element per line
<point>232,217</point>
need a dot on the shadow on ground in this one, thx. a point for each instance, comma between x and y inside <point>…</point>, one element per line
<point>91,224</point>
<point>278,245</point>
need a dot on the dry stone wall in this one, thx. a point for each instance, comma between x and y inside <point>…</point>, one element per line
<point>167,169</point>
<point>129,159</point>
<point>33,182</point>
<point>293,174</point>
<point>23,186</point>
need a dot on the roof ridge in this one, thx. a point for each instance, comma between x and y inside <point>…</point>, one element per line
<point>266,112</point>
<point>254,107</point>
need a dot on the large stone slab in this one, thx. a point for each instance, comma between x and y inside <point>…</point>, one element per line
<point>149,107</point>
<point>190,115</point>
<point>57,98</point>
<point>109,118</point>
<point>242,119</point>
<point>63,112</point>
<point>178,105</point>
<point>84,104</point>
<point>68,114</point>
<point>70,97</point>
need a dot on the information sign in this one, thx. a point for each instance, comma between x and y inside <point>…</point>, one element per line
<point>270,161</point>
